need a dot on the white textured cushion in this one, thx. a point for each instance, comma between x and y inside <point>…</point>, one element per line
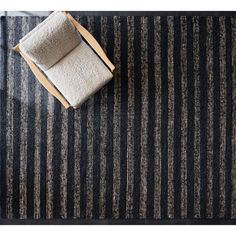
<point>79,74</point>
<point>50,41</point>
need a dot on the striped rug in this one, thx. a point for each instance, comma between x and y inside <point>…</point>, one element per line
<point>157,144</point>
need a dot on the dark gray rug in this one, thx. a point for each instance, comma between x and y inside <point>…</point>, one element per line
<point>156,145</point>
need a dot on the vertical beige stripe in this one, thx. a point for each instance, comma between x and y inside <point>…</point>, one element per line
<point>116,127</point>
<point>197,117</point>
<point>63,167</point>
<point>184,117</point>
<point>23,131</point>
<point>9,121</point>
<point>209,48</point>
<point>130,119</point>
<point>103,130</point>
<point>233,202</point>
<point>77,153</point>
<point>223,97</point>
<point>157,130</point>
<point>89,172</point>
<point>170,204</point>
<point>144,118</point>
<point>103,134</point>
<point>49,170</point>
<point>37,152</point>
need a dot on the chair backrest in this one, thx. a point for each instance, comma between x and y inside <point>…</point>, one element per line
<point>50,41</point>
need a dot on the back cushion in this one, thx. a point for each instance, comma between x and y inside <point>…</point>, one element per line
<point>50,41</point>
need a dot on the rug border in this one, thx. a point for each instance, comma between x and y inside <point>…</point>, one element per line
<point>128,221</point>
<point>117,222</point>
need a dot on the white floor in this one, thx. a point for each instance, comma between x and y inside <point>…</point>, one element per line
<point>24,13</point>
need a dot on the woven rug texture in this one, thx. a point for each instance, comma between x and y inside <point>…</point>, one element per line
<point>156,143</point>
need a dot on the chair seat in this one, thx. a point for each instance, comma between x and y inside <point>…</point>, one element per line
<point>79,74</point>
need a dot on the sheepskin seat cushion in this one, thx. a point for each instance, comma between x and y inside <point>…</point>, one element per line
<point>79,74</point>
<point>57,48</point>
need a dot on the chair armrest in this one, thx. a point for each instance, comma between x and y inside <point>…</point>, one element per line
<point>92,42</point>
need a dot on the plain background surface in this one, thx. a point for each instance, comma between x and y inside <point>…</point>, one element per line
<point>24,13</point>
